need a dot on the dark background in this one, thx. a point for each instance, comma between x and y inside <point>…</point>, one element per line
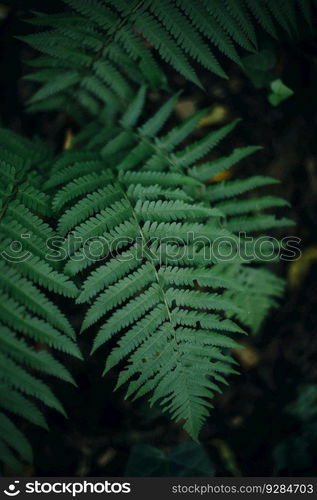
<point>265,423</point>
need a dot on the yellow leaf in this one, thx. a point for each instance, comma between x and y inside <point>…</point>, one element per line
<point>300,267</point>
<point>68,141</point>
<point>222,176</point>
<point>248,357</point>
<point>4,11</point>
<point>218,114</point>
<point>185,108</point>
<point>227,456</point>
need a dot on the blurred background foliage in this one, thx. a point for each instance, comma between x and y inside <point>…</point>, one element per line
<point>265,423</point>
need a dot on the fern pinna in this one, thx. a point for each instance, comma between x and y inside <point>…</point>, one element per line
<point>31,325</point>
<point>137,234</point>
<point>94,52</point>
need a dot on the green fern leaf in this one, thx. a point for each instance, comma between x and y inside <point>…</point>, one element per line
<point>98,47</point>
<point>167,305</point>
<point>29,318</point>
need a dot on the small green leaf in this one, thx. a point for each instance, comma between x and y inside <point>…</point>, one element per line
<point>279,93</point>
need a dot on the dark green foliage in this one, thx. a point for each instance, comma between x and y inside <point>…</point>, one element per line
<point>137,213</point>
<point>93,53</point>
<point>187,459</point>
<point>31,324</point>
<point>296,450</point>
<point>163,307</point>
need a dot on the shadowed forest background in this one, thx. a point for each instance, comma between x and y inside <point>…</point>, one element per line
<point>265,422</point>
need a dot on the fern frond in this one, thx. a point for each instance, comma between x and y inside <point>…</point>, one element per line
<point>152,288</point>
<point>129,286</point>
<point>29,318</point>
<point>91,52</point>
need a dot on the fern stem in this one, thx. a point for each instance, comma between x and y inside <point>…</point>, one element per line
<point>154,268</point>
